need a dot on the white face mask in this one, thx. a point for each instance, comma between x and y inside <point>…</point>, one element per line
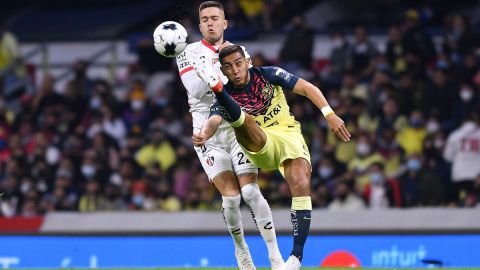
<point>25,186</point>
<point>466,94</point>
<point>376,178</point>
<point>325,172</point>
<point>137,105</point>
<point>88,170</point>
<point>95,103</point>
<point>432,127</point>
<point>53,155</point>
<point>363,149</point>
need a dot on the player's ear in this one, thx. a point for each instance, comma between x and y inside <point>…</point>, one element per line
<point>225,24</point>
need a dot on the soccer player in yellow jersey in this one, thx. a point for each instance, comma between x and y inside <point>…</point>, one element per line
<point>254,103</point>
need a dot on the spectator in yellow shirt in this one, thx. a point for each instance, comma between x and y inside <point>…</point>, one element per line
<point>366,156</point>
<point>411,138</point>
<point>159,151</point>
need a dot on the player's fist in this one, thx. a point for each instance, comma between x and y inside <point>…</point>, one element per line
<point>198,139</point>
<point>223,45</point>
<point>204,69</point>
<point>337,125</point>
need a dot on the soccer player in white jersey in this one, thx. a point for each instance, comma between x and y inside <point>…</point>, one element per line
<point>222,158</point>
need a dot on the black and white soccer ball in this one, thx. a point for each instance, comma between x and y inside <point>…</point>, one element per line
<point>170,38</point>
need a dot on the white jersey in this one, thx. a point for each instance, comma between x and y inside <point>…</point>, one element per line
<point>221,152</point>
<point>463,150</point>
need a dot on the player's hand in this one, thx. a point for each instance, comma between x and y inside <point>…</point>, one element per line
<point>198,139</point>
<point>337,125</point>
<point>204,69</point>
<point>223,45</point>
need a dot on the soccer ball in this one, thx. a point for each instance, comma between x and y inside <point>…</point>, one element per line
<point>170,39</point>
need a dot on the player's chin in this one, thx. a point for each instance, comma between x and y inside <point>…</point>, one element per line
<point>212,38</point>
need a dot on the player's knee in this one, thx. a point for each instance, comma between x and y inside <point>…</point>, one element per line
<point>251,192</point>
<point>231,201</point>
<point>300,186</point>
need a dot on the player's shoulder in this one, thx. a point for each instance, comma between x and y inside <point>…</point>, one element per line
<point>457,135</point>
<point>274,71</point>
<point>183,59</point>
<point>191,47</point>
<point>194,46</point>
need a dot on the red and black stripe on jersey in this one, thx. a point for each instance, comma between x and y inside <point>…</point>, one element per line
<point>257,96</point>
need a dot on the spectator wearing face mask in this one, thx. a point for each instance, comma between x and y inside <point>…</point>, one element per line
<point>410,181</point>
<point>468,101</point>
<point>345,198</point>
<point>391,152</point>
<point>381,192</point>
<point>463,151</point>
<point>411,137</point>
<point>366,156</point>
<point>138,116</point>
<point>326,170</point>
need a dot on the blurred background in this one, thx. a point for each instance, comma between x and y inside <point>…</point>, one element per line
<point>93,119</point>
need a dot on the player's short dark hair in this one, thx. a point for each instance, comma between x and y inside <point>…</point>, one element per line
<point>208,4</point>
<point>231,49</point>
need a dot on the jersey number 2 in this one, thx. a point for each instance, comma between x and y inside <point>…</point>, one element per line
<point>242,159</point>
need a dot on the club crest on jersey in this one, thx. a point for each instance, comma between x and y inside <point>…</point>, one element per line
<point>267,91</point>
<point>210,160</point>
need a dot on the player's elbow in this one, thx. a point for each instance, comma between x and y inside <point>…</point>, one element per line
<point>305,88</point>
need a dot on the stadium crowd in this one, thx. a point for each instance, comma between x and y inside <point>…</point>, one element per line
<point>86,149</point>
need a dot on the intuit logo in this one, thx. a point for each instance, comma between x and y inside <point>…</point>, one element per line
<point>398,257</point>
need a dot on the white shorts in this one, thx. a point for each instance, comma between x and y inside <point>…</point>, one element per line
<point>222,153</point>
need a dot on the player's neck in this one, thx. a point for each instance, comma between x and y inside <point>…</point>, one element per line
<point>216,43</point>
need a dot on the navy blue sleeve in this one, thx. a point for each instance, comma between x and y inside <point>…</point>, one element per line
<point>215,110</point>
<point>279,76</point>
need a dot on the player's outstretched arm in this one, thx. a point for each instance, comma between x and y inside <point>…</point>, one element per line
<point>208,129</point>
<point>312,92</point>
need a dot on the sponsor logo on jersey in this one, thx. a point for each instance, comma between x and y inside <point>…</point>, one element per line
<point>283,74</point>
<point>276,110</point>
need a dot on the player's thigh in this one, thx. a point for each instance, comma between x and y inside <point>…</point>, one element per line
<point>214,160</point>
<point>217,164</point>
<point>294,158</point>
<point>244,169</point>
<point>266,157</point>
<point>250,135</point>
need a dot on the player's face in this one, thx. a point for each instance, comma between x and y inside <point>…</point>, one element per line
<point>235,67</point>
<point>212,25</point>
